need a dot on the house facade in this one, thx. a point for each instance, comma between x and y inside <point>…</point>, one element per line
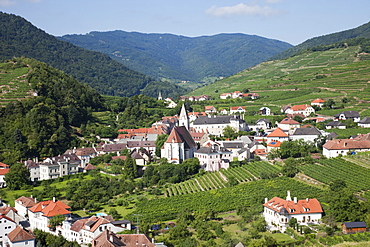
<point>265,111</point>
<point>213,158</point>
<point>277,212</point>
<point>318,102</point>
<point>305,110</point>
<point>237,110</point>
<point>364,123</point>
<point>334,148</point>
<point>66,164</point>
<point>215,125</point>
<point>305,134</point>
<point>41,213</point>
<point>20,237</point>
<point>354,115</point>
<point>7,225</point>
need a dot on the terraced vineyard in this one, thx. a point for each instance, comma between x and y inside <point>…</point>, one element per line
<point>326,171</point>
<point>13,83</point>
<point>217,180</point>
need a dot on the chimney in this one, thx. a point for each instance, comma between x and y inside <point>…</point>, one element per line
<point>111,237</point>
<point>266,200</point>
<point>31,196</point>
<point>54,199</point>
<point>288,198</point>
<point>307,199</point>
<point>295,200</point>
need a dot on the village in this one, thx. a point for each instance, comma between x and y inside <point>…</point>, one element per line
<point>197,135</point>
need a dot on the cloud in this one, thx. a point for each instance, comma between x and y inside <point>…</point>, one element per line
<point>241,9</point>
<point>6,3</point>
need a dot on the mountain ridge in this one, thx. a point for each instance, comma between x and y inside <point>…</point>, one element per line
<point>180,57</point>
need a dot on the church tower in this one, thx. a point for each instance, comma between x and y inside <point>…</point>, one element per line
<point>183,118</point>
<point>160,96</point>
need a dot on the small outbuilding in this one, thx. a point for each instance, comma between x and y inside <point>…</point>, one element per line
<point>353,227</point>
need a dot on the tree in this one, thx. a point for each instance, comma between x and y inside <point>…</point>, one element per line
<point>56,220</point>
<point>229,132</point>
<point>337,185</point>
<point>290,168</point>
<point>329,103</point>
<point>159,142</point>
<point>17,176</point>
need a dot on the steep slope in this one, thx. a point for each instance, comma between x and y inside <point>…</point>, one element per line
<point>179,57</point>
<point>41,126</point>
<point>342,71</point>
<point>19,37</point>
<point>362,31</point>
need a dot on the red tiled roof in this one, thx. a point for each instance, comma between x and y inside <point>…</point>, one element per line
<point>2,165</point>
<point>278,132</point>
<point>26,201</point>
<point>260,151</point>
<point>237,108</point>
<point>301,207</point>
<point>300,107</point>
<point>288,121</point>
<point>132,240</point>
<point>318,101</point>
<point>174,137</point>
<point>19,234</point>
<point>4,171</point>
<point>51,208</point>
<point>338,144</point>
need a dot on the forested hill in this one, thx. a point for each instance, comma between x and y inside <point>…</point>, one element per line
<point>19,37</point>
<point>179,57</point>
<point>41,126</point>
<point>362,31</point>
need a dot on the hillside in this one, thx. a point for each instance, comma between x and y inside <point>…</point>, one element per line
<point>178,57</point>
<point>41,126</point>
<point>330,73</point>
<point>19,37</point>
<point>362,31</point>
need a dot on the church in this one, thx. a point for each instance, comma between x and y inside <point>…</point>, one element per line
<point>179,145</point>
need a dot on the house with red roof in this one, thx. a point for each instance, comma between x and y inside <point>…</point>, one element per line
<point>318,102</point>
<point>41,213</point>
<point>210,109</point>
<point>273,145</point>
<point>7,225</point>
<point>336,147</point>
<point>20,237</point>
<point>3,171</point>
<point>225,95</point>
<point>288,124</point>
<point>306,110</point>
<point>237,109</point>
<point>277,135</point>
<point>278,212</point>
<point>109,239</point>
<point>22,204</point>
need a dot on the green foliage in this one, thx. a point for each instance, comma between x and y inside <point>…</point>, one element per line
<point>290,168</point>
<point>17,177</point>
<point>56,220</point>
<point>20,38</point>
<point>44,239</point>
<point>181,58</point>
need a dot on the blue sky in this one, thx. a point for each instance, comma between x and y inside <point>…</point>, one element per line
<point>293,21</point>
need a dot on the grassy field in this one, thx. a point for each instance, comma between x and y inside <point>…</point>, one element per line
<point>13,83</point>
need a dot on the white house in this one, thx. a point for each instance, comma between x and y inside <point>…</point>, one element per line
<point>6,226</point>
<point>278,212</point>
<point>277,135</point>
<point>214,125</point>
<point>265,111</point>
<point>237,148</point>
<point>335,124</point>
<point>288,124</point>
<point>225,95</point>
<point>84,230</point>
<point>22,204</point>
<point>305,110</point>
<point>66,164</point>
<point>213,158</point>
<point>336,147</point>
<point>210,109</point>
<point>364,123</point>
<point>237,109</point>
<point>354,115</point>
<point>318,102</point>
<point>170,103</point>
<point>40,214</point>
<point>20,237</point>
<point>2,177</point>
<point>306,134</point>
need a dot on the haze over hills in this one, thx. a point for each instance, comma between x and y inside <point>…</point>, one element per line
<point>362,31</point>
<point>181,58</point>
<point>18,38</point>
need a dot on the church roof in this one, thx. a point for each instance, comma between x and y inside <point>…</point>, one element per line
<point>181,135</point>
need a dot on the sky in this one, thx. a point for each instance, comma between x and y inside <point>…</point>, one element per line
<point>292,21</point>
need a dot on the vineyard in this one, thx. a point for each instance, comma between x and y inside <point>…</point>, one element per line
<point>326,171</point>
<point>217,180</point>
<point>224,199</point>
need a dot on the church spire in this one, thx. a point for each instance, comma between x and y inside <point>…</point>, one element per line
<point>183,118</point>
<point>159,96</point>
